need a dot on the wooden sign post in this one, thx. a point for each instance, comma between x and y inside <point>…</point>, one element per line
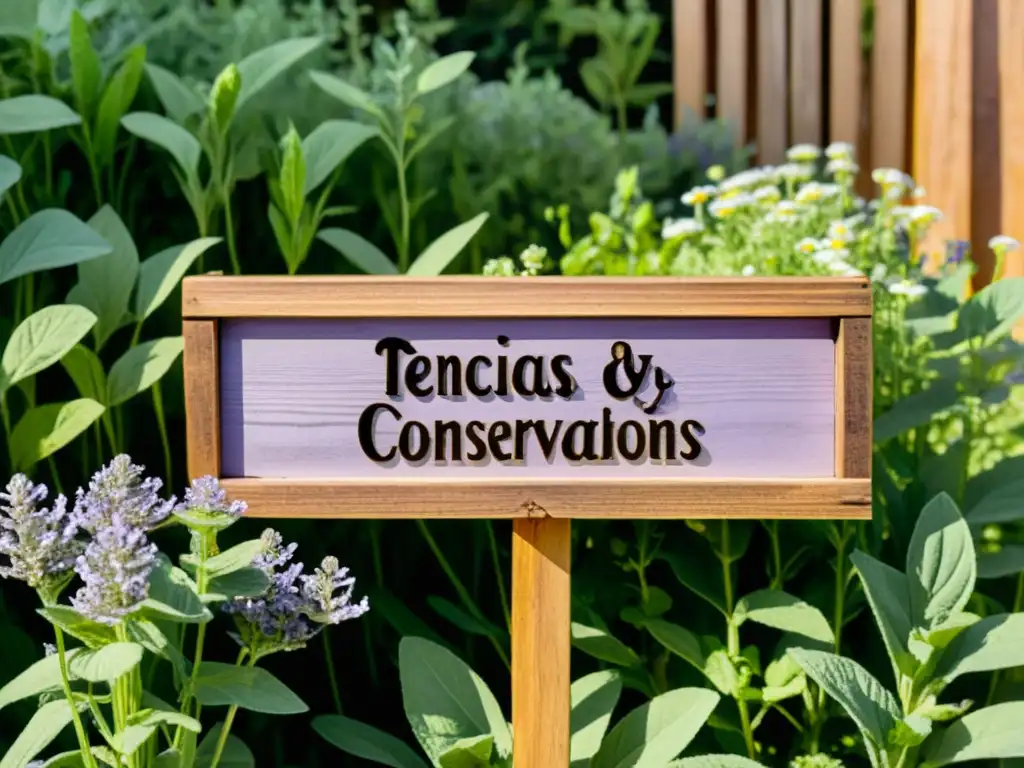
<point>538,399</point>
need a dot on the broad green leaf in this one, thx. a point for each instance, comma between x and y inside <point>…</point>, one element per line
<point>46,724</point>
<point>142,725</point>
<point>698,570</point>
<point>168,135</point>
<point>443,71</point>
<point>715,761</point>
<point>995,642</point>
<point>656,732</point>
<point>42,339</point>
<point>141,367</point>
<point>86,74</point>
<point>916,410</point>
<point>440,253</point>
<point>994,310</point>
<point>46,240</point>
<point>445,700</point>
<point>473,752</point>
<point>719,669</point>
<point>888,595</point>
<point>289,187</point>
<point>105,284</point>
<point>783,679</point>
<point>643,94</point>
<point>92,633</point>
<point>681,642</point>
<point>865,700</point>
<point>245,582</point>
<point>232,559</point>
<point>173,597</point>
<point>152,638</point>
<point>159,275</point>
<point>10,174</point>
<point>1005,504</point>
<point>33,113</point>
<point>360,251</point>
<point>178,99</point>
<point>261,68</point>
<point>990,733</point>
<point>39,678</point>
<point>45,429</point>
<point>462,619</point>
<point>1007,561</point>
<point>941,564</point>
<point>347,94</point>
<point>328,145</point>
<point>117,98</point>
<point>781,610</point>
<point>250,688</point>
<point>365,741</point>
<point>106,663</point>
<point>601,645</point>
<point>86,370</point>
<point>593,698</point>
<point>235,754</point>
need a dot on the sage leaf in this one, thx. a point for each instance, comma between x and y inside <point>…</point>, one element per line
<point>365,741</point>
<point>142,725</point>
<point>715,761</point>
<point>106,663</point>
<point>81,627</point>
<point>245,582</point>
<point>1007,561</point>
<point>916,410</point>
<point>440,253</point>
<point>994,310</point>
<point>86,371</point>
<point>888,596</point>
<point>47,240</point>
<point>463,620</point>
<point>232,559</point>
<point>1005,504</point>
<point>178,99</point>
<point>593,698</point>
<point>86,73</point>
<point>656,732</point>
<point>328,145</point>
<point>45,429</point>
<point>250,688</point>
<point>235,754</point>
<point>117,98</point>
<point>105,284</point>
<point>469,753</point>
<point>941,564</point>
<point>870,705</point>
<point>446,701</point>
<point>259,69</point>
<point>159,275</point>
<point>39,678</point>
<point>152,638</point>
<point>781,610</point>
<point>681,642</point>
<point>33,113</point>
<point>443,71</point>
<point>358,250</point>
<point>783,679</point>
<point>995,642</point>
<point>168,135</point>
<point>42,339</point>
<point>141,367</point>
<point>173,596</point>
<point>10,174</point>
<point>698,570</point>
<point>720,671</point>
<point>601,645</point>
<point>347,94</point>
<point>990,733</point>
<point>46,724</point>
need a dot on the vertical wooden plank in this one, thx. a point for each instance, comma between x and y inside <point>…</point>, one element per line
<point>540,641</point>
<point>689,57</point>
<point>732,61</point>
<point>942,115</point>
<point>890,60</point>
<point>202,397</point>
<point>1011,127</point>
<point>806,51</point>
<point>846,101</point>
<point>772,118</point>
<point>985,146</point>
<point>854,390</point>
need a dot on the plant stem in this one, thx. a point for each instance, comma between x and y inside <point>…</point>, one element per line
<point>332,677</point>
<point>229,227</point>
<point>83,740</point>
<point>197,657</point>
<point>403,202</point>
<point>161,423</point>
<point>733,637</point>
<point>498,576</point>
<point>5,416</point>
<point>225,729</point>
<point>840,587</point>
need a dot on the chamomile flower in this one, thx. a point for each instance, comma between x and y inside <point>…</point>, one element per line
<point>1003,244</point>
<point>840,231</point>
<point>748,270</point>
<point>839,150</point>
<point>768,194</point>
<point>924,215</point>
<point>723,208</point>
<point>812,192</point>
<point>842,167</point>
<point>685,228</point>
<point>806,246</point>
<point>795,171</point>
<point>831,257</point>
<point>904,287</point>
<point>890,179</point>
<point>803,153</point>
<point>699,195</point>
<point>745,180</point>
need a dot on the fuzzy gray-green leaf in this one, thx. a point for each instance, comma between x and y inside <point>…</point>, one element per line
<point>941,563</point>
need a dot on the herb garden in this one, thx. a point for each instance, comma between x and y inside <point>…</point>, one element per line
<point>146,622</point>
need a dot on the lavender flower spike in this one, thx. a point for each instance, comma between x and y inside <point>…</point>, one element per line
<point>39,542</point>
<point>206,495</point>
<point>115,568</point>
<point>325,607</point>
<point>120,490</point>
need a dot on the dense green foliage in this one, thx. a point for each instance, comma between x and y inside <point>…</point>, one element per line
<point>145,140</point>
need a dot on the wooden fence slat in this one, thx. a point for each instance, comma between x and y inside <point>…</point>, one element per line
<point>845,71</point>
<point>732,57</point>
<point>690,57</point>
<point>985,149</point>
<point>806,51</point>
<point>772,117</point>
<point>890,58</point>
<point>942,115</point>
<point>1011,126</point>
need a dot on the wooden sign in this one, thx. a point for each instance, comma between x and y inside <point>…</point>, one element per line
<point>539,399</point>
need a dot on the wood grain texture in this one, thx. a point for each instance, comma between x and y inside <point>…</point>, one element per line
<point>986,163</point>
<point>690,59</point>
<point>806,58</point>
<point>732,61</point>
<point>202,397</point>
<point>541,598</point>
<point>293,393</point>
<point>854,391</point>
<point>845,71</point>
<point>772,82</point>
<point>408,498</point>
<point>890,84</point>
<point>479,297</point>
<point>1011,130</point>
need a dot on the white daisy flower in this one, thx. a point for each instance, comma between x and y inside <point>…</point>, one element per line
<point>680,228</point>
<point>1003,244</point>
<point>803,153</point>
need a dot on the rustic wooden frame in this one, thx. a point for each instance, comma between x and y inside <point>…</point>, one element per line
<point>542,510</point>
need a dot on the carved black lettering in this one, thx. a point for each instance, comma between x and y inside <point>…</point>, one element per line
<point>607,435</point>
<point>586,450</point>
<point>566,381</point>
<point>390,348</point>
<point>473,434</point>
<point>367,422</point>
<point>687,430</point>
<point>472,373</point>
<point>523,428</point>
<point>631,453</point>
<point>499,432</point>
<point>414,441</point>
<point>449,375</point>
<point>622,359</point>
<point>445,431</point>
<point>547,440</point>
<point>663,434</point>
<point>416,372</point>
<point>502,387</point>
<point>525,385</point>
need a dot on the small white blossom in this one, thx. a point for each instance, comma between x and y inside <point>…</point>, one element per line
<point>725,207</point>
<point>745,180</point>
<point>803,153</point>
<point>768,194</point>
<point>839,150</point>
<point>680,228</point>
<point>699,195</point>
<point>888,178</point>
<point>923,215</point>
<point>1003,244</point>
<point>918,193</point>
<point>841,231</point>
<point>812,192</point>
<point>906,288</point>
<point>829,257</point>
<point>807,245</point>
<point>795,171</point>
<point>748,270</point>
<point>842,166</point>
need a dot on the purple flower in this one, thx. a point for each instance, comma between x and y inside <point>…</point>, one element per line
<point>319,590</point>
<point>115,569</point>
<point>119,490</point>
<point>40,542</point>
<point>205,495</point>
